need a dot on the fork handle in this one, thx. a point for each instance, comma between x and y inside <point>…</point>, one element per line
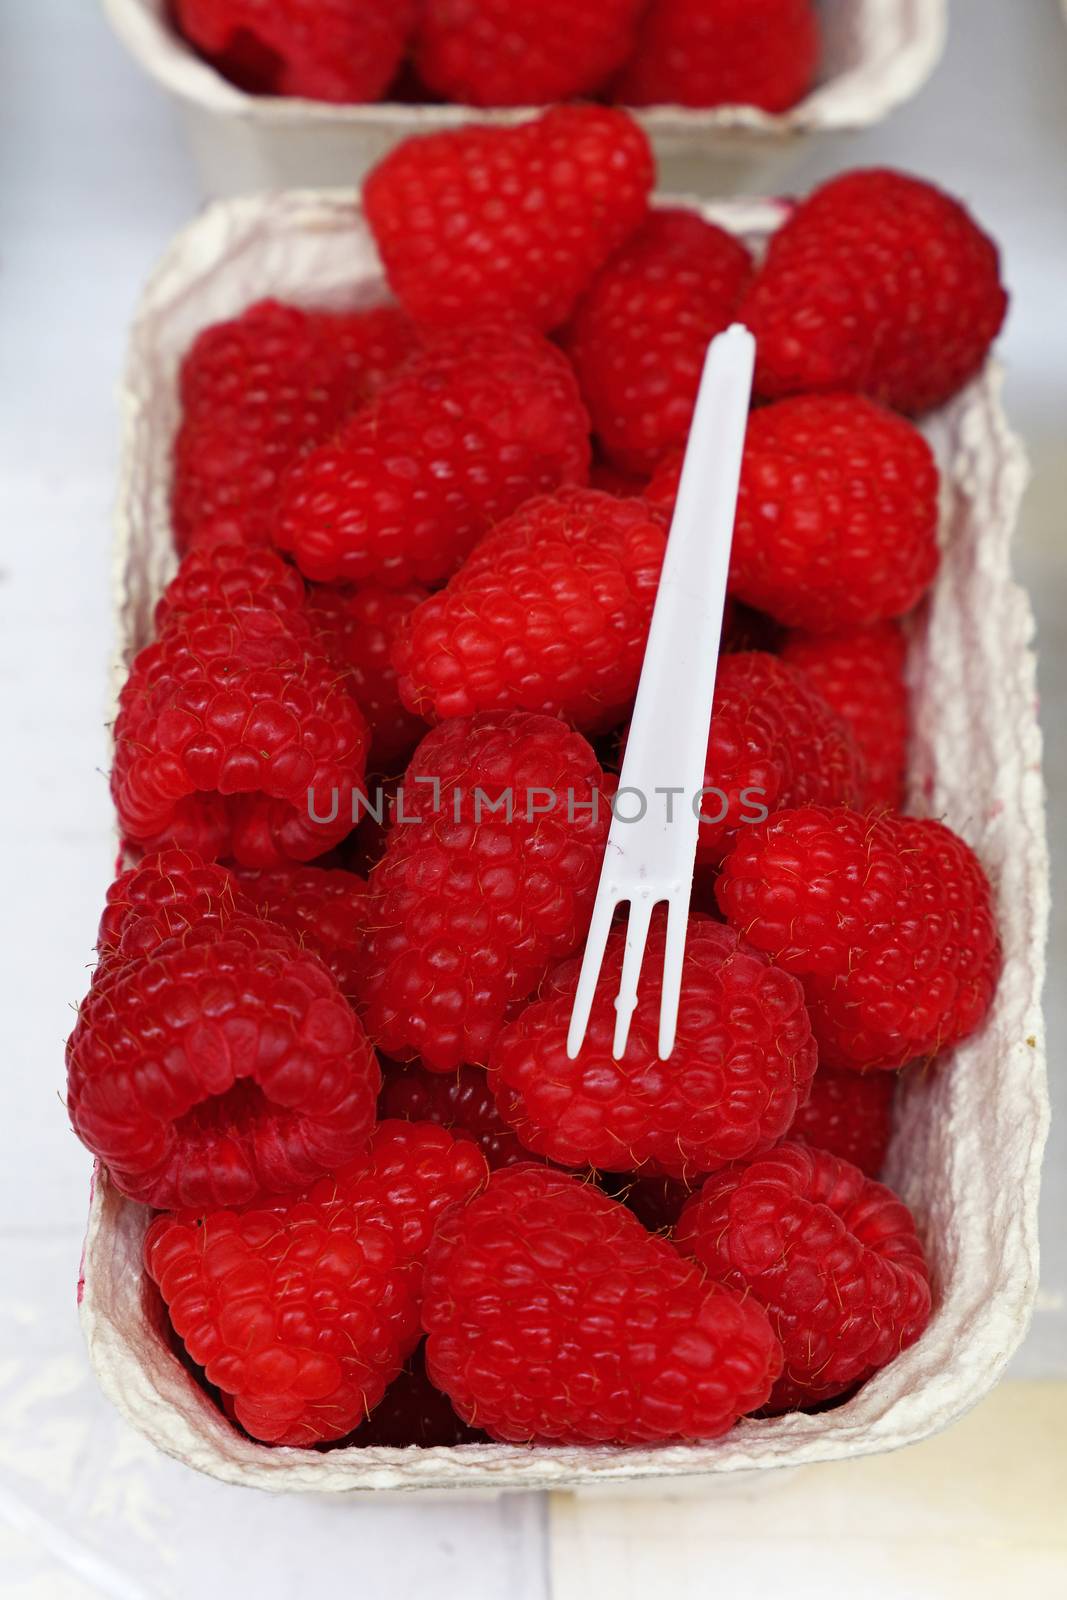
<point>668,738</point>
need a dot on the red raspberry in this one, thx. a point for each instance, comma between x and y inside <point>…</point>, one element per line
<point>413,1412</point>
<point>462,1102</point>
<point>233,578</point>
<point>849,1114</point>
<point>323,908</point>
<point>833,1258</point>
<point>516,219</point>
<point>640,334</point>
<point>228,726</point>
<point>469,907</point>
<point>256,392</point>
<point>275,356</point>
<point>231,364</point>
<point>723,52</point>
<point>951,885</point>
<point>836,515</point>
<point>554,1317</point>
<point>217,1065</point>
<point>337,50</point>
<point>888,922</point>
<point>861,674</point>
<point>303,1313</point>
<point>357,628</point>
<point>774,742</point>
<point>485,417</point>
<point>549,612</point>
<point>372,342</point>
<point>161,897</point>
<point>741,1066</point>
<point>492,53</point>
<point>877,282</point>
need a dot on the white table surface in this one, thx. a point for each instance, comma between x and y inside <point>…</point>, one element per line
<point>93,181</point>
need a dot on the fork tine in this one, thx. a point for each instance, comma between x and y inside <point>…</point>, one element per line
<point>607,898</point>
<point>673,958</point>
<point>636,938</point>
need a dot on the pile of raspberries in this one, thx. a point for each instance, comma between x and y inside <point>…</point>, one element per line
<point>693,53</point>
<point>419,546</point>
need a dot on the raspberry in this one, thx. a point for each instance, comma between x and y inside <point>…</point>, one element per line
<point>878,282</point>
<point>850,1115</point>
<point>774,742</point>
<point>516,219</point>
<point>233,578</point>
<point>833,1258</point>
<point>413,1412</point>
<point>836,515</point>
<point>462,1102</point>
<point>323,908</point>
<point>469,906</point>
<point>860,674</point>
<point>217,1064</point>
<point>492,53</point>
<point>304,1312</point>
<point>554,1317</point>
<point>161,897</point>
<point>640,333</point>
<point>741,1066</point>
<point>256,392</point>
<point>337,50</point>
<point>229,726</point>
<point>483,418</point>
<point>372,342</point>
<point>887,921</point>
<point>277,356</point>
<point>723,52</point>
<point>357,628</point>
<point>550,612</point>
<point>955,892</point>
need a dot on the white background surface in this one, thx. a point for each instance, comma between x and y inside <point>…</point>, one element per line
<point>93,181</point>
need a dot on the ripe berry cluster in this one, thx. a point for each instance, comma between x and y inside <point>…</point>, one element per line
<point>695,53</point>
<point>390,1206</point>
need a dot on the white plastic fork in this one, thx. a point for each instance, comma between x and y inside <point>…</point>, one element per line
<point>650,857</point>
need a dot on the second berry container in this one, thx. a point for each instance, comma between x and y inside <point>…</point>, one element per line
<point>969,1136</point>
<point>875,55</point>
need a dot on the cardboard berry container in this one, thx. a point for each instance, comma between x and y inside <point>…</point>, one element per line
<point>969,1134</point>
<point>876,55</point>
